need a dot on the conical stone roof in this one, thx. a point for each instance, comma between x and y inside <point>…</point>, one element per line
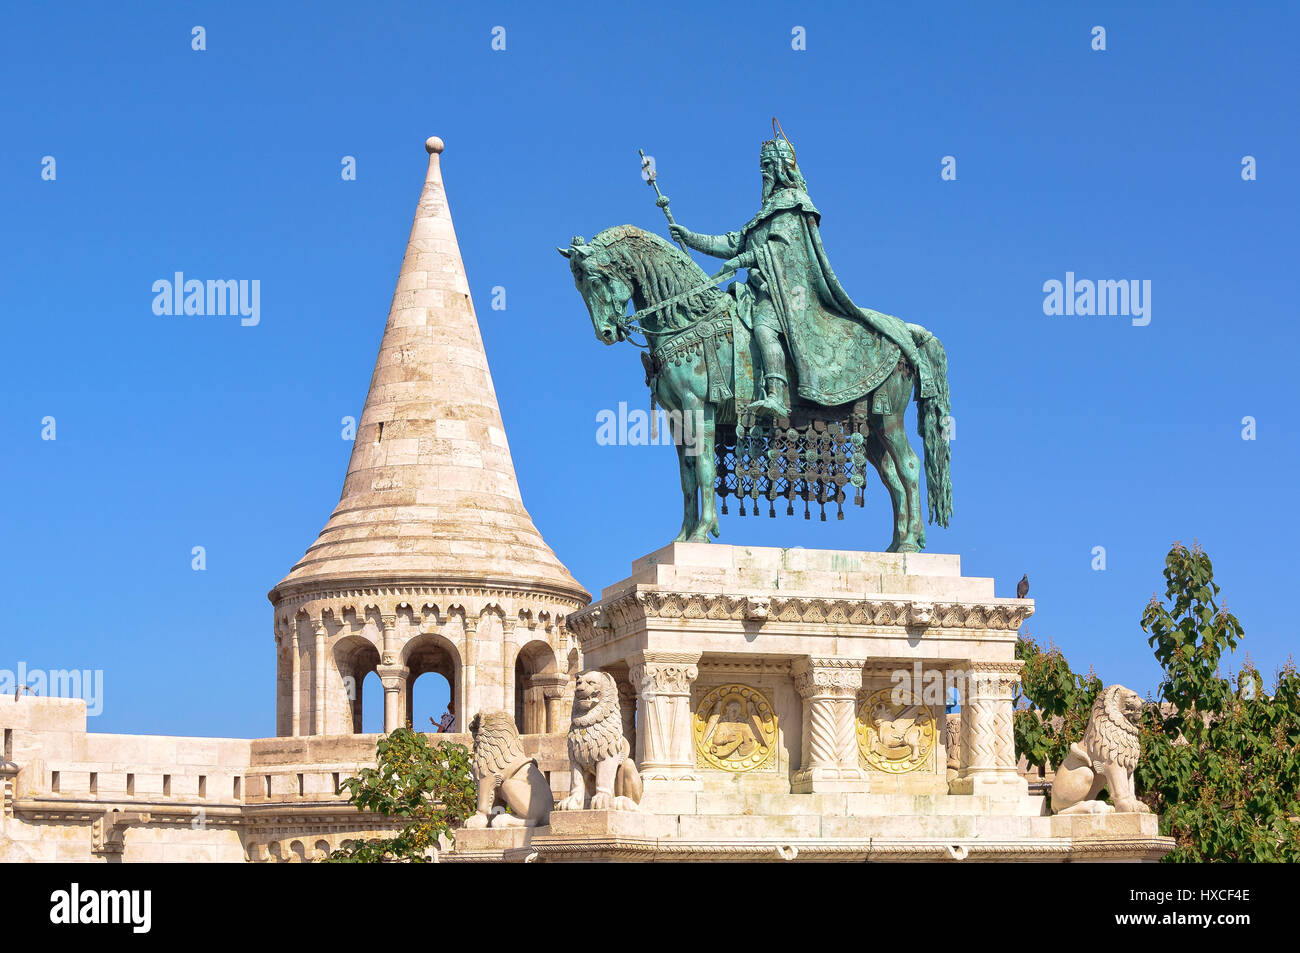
<point>431,496</point>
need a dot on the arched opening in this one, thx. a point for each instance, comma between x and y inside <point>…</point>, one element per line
<point>430,698</point>
<point>370,701</point>
<point>539,686</point>
<point>357,659</point>
<point>430,695</point>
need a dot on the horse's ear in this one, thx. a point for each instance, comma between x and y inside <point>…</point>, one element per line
<point>567,253</point>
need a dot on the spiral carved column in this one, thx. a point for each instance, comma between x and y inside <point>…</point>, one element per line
<point>829,688</point>
<point>988,741</point>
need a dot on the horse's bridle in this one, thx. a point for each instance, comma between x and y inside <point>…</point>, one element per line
<point>630,324</point>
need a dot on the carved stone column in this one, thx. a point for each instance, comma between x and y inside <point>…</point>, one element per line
<point>509,658</point>
<point>295,674</point>
<point>627,708</point>
<point>389,653</point>
<point>393,678</point>
<point>470,702</point>
<point>665,742</point>
<point>319,690</point>
<point>552,688</point>
<point>987,746</point>
<point>829,688</point>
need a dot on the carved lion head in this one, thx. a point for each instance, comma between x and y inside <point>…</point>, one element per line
<point>591,688</point>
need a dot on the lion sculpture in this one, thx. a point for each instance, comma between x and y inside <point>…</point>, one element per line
<point>506,777</point>
<point>603,776</point>
<point>1104,758</point>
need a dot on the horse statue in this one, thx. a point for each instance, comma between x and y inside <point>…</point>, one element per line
<point>700,356</point>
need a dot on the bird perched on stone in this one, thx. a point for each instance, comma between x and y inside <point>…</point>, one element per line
<point>1022,587</point>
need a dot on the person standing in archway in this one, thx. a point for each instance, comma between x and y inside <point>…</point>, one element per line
<point>448,720</point>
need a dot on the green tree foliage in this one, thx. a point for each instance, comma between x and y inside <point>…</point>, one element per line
<point>1054,705</point>
<point>429,785</point>
<point>1220,761</point>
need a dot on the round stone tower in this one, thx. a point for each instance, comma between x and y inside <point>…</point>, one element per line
<point>429,563</point>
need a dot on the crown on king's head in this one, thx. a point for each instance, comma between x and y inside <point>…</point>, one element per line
<point>776,148</point>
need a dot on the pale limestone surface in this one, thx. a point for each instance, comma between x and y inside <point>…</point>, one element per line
<point>796,653</point>
<point>191,800</point>
<point>1104,758</point>
<point>603,776</point>
<point>512,792</point>
<point>429,563</point>
<point>821,631</point>
<point>430,492</point>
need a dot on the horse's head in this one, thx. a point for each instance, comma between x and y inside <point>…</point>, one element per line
<point>601,283</point>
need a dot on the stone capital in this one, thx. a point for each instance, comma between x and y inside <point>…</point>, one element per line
<point>393,677</point>
<point>552,685</point>
<point>663,673</point>
<point>827,676</point>
<point>993,680</point>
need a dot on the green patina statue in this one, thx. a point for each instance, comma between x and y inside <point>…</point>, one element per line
<point>795,388</point>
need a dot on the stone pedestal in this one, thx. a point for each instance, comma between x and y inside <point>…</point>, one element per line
<point>790,705</point>
<point>773,670</point>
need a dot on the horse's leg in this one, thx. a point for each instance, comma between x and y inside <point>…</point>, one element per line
<point>690,497</point>
<point>670,394</point>
<point>703,431</point>
<point>879,458</point>
<point>893,434</point>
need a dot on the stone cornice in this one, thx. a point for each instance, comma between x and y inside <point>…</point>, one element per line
<point>909,614</point>
<point>339,815</point>
<point>618,847</point>
<point>291,594</point>
<point>389,601</point>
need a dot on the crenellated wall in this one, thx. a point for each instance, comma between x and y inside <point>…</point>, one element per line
<point>74,795</point>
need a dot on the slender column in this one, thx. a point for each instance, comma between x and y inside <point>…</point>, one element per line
<point>470,703</point>
<point>552,720</point>
<point>393,678</point>
<point>509,656</point>
<point>829,688</point>
<point>665,742</point>
<point>627,708</point>
<point>318,681</point>
<point>389,654</point>
<point>988,741</point>
<point>295,673</point>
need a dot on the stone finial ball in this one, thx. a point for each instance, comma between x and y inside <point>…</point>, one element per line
<point>433,144</point>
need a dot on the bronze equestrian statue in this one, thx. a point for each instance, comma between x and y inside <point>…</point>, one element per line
<point>794,387</point>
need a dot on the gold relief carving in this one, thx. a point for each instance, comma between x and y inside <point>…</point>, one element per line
<point>894,738</point>
<point>735,728</point>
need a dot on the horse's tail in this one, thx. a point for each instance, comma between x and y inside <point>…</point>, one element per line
<point>933,419</point>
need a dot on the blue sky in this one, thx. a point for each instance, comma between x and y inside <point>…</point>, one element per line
<point>1072,432</point>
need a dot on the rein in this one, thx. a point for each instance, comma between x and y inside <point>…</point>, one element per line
<point>631,324</point>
